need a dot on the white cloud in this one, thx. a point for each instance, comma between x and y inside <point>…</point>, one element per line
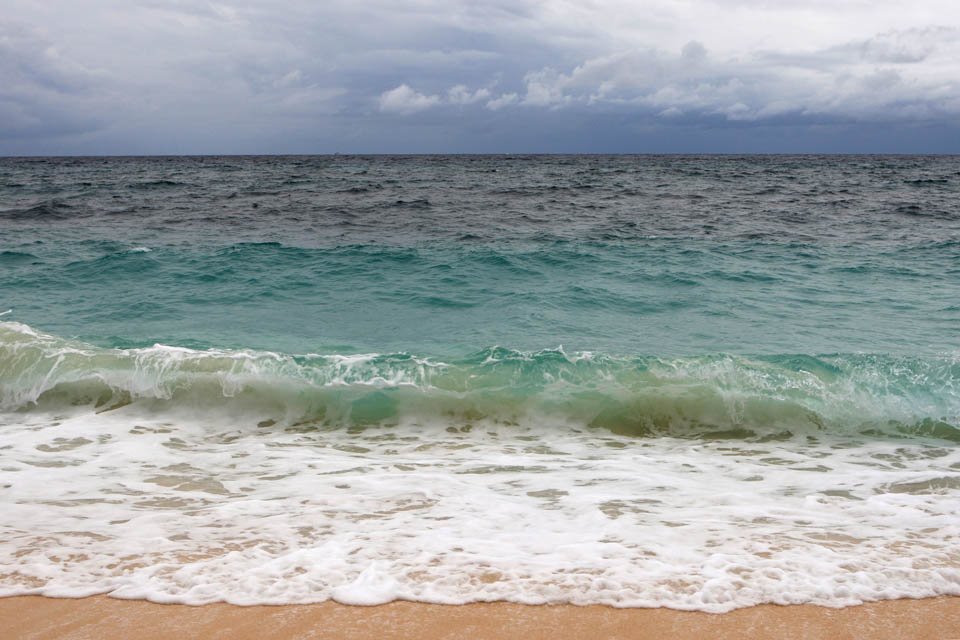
<point>896,75</point>
<point>404,100</point>
<point>460,94</point>
<point>504,100</point>
<point>545,88</point>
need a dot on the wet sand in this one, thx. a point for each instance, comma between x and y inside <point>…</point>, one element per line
<point>101,617</point>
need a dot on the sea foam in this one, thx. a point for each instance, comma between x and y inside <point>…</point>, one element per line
<point>173,508</point>
<point>254,477</point>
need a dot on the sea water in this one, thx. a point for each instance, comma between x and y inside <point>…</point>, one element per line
<point>695,382</point>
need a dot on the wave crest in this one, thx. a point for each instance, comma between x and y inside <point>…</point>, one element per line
<point>717,396</point>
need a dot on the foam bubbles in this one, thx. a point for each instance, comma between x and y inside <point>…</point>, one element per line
<point>195,508</point>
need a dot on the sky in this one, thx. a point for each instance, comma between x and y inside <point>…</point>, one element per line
<point>484,76</point>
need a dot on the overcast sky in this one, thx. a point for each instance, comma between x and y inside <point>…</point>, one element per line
<point>387,76</point>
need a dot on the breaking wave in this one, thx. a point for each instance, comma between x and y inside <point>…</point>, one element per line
<point>709,396</point>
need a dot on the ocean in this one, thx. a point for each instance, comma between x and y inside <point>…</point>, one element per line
<point>699,382</point>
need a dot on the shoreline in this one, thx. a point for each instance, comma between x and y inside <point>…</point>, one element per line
<point>38,617</point>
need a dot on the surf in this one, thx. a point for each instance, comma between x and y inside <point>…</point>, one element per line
<point>708,396</point>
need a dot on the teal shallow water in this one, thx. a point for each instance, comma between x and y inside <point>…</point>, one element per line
<point>449,256</point>
<point>650,297</point>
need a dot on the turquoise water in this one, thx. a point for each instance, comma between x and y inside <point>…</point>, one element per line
<point>696,382</point>
<point>649,296</point>
<point>449,256</point>
<point>627,291</point>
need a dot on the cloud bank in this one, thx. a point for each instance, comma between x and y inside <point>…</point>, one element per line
<point>199,76</point>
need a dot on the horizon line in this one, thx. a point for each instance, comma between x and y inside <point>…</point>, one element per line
<point>484,154</point>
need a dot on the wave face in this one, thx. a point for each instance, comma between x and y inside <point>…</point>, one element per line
<point>708,396</point>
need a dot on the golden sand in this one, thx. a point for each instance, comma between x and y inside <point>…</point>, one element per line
<point>101,617</point>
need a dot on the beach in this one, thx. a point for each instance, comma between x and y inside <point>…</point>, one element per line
<point>598,392</point>
<point>36,618</point>
<point>541,319</point>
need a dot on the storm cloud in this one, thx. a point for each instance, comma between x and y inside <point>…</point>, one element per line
<point>296,76</point>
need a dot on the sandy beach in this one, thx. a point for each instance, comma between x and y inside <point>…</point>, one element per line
<point>102,617</point>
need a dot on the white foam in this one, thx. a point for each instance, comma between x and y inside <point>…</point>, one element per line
<point>186,507</point>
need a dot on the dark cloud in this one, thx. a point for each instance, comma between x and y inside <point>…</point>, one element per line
<point>40,89</point>
<point>187,76</point>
